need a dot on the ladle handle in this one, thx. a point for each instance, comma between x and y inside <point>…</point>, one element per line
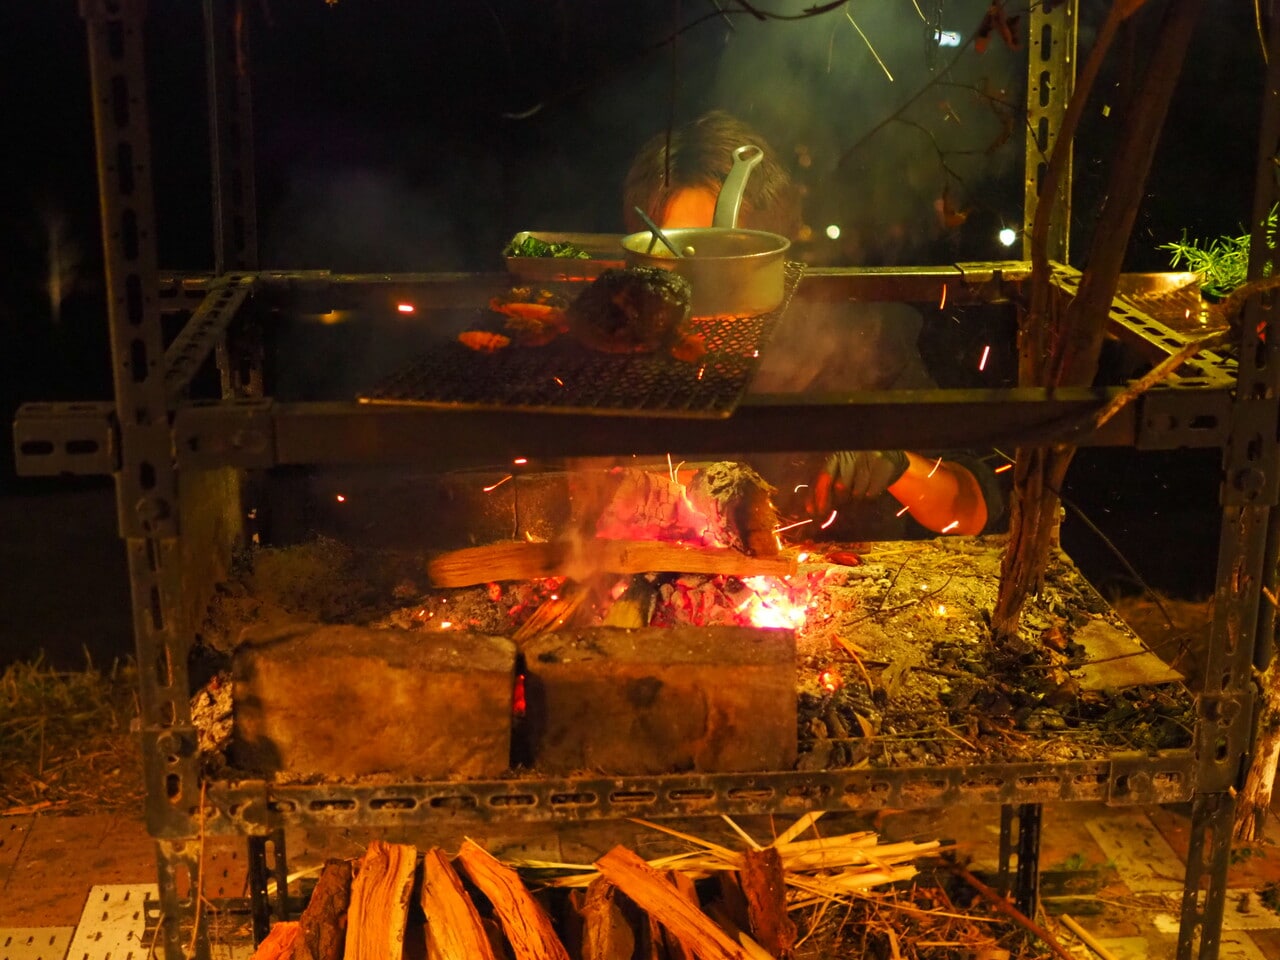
<point>657,232</point>
<point>729,199</point>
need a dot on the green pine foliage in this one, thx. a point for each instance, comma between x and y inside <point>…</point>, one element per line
<point>1221,264</point>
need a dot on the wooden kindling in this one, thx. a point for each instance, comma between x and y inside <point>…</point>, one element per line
<point>325,917</point>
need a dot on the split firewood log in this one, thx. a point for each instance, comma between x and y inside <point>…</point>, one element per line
<point>280,942</point>
<point>606,934</point>
<point>324,921</point>
<point>526,924</point>
<point>379,909</point>
<point>685,887</point>
<point>765,889</point>
<point>454,929</point>
<point>652,892</point>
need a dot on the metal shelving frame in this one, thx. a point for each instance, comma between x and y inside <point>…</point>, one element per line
<point>183,469</point>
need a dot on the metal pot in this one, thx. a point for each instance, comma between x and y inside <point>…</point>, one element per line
<point>732,271</point>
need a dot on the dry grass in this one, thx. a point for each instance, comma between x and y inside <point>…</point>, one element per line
<point>65,739</point>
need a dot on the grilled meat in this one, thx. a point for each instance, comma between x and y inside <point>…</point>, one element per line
<point>631,310</point>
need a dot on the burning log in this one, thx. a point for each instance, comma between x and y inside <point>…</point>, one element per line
<point>324,920</point>
<point>454,928</point>
<point>379,909</point>
<point>526,924</point>
<point>519,560</point>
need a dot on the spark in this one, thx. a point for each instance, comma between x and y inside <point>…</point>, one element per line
<point>341,498</point>
<point>520,461</point>
<point>801,558</point>
<point>951,526</point>
<point>830,680</point>
<point>798,487</point>
<point>1007,236</point>
<point>701,370</point>
<point>869,46</point>
<point>558,380</point>
<point>671,471</point>
<point>446,624</point>
<point>1007,466</point>
<point>919,11</point>
<point>943,302</point>
<point>405,307</point>
<point>941,611</point>
<point>986,352</point>
<point>792,526</point>
<point>494,486</point>
<point>902,511</point>
<point>935,468</point>
<point>829,521</point>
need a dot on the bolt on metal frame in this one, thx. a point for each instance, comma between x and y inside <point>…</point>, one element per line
<point>182,468</point>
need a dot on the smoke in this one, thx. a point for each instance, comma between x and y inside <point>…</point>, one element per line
<point>819,88</point>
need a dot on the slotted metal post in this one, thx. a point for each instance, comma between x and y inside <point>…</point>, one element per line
<point>1051,79</point>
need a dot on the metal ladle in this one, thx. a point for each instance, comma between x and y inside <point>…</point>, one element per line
<point>657,232</point>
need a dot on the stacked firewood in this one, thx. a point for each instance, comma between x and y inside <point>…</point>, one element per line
<point>707,902</point>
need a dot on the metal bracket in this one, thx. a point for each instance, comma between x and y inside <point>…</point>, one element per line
<point>1051,56</point>
<point>1026,849</point>
<point>238,433</point>
<point>55,439</point>
<point>203,331</point>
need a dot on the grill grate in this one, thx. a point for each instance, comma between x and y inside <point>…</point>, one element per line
<point>564,376</point>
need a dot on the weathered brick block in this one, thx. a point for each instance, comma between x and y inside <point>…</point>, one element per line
<point>661,700</point>
<point>346,701</point>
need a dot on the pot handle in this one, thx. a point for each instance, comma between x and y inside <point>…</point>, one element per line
<point>729,199</point>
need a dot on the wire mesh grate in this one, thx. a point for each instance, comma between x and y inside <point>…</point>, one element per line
<point>565,376</point>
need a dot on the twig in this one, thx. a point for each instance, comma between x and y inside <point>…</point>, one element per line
<point>25,809</point>
<point>1163,369</point>
<point>1013,913</point>
<point>1086,938</point>
<point>195,926</point>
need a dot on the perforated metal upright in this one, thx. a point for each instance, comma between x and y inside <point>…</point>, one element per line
<point>181,470</point>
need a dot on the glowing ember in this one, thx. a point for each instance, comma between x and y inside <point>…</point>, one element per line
<point>902,511</point>
<point>986,352</point>
<point>519,704</point>
<point>951,526</point>
<point>943,302</point>
<point>446,624</point>
<point>405,307</point>
<point>340,498</point>
<point>1007,466</point>
<point>830,681</point>
<point>941,611</point>
<point>773,604</point>
<point>558,380</point>
<point>829,521</point>
<point>519,461</point>
<point>792,526</point>
<point>935,467</point>
<point>494,486</point>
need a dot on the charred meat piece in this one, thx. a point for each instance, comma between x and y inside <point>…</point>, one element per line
<point>631,310</point>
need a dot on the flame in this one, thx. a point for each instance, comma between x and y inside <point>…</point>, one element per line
<point>772,604</point>
<point>830,681</point>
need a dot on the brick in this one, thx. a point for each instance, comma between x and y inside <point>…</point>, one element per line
<point>346,701</point>
<point>661,700</point>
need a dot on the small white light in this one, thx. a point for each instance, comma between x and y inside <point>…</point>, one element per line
<point>1008,236</point>
<point>948,38</point>
<point>833,231</point>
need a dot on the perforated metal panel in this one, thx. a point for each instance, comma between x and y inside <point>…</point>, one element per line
<point>112,923</point>
<point>34,943</point>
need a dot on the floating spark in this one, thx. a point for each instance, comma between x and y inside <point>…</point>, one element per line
<point>494,486</point>
<point>935,468</point>
<point>986,352</point>
<point>1007,466</point>
<point>405,307</point>
<point>829,521</point>
<point>902,511</point>
<point>951,526</point>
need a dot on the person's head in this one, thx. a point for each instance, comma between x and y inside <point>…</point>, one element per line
<point>679,188</point>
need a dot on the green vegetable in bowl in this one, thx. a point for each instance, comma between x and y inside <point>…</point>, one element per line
<point>529,246</point>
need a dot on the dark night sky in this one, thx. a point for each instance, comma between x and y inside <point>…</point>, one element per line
<point>383,141</point>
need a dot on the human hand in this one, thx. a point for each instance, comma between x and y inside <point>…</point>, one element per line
<point>855,475</point>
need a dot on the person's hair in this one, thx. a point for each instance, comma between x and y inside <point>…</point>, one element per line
<point>701,153</point>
